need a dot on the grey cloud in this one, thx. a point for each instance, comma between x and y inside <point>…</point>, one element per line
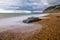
<point>27,4</point>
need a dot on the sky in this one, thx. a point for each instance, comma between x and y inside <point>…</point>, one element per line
<point>31,5</point>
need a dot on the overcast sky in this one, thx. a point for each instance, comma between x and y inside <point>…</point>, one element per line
<point>27,4</point>
<point>19,2</point>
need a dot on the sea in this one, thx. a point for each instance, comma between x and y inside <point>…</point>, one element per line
<point>6,15</point>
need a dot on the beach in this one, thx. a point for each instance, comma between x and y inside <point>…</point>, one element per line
<point>46,29</point>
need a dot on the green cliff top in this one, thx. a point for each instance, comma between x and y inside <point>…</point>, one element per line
<point>53,9</point>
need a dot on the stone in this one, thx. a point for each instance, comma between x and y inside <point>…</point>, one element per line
<point>31,19</point>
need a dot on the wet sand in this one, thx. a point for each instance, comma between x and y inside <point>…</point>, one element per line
<point>46,29</point>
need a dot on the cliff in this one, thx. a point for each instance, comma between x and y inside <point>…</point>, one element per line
<point>52,9</point>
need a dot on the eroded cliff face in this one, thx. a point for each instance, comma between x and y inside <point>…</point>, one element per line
<point>53,9</point>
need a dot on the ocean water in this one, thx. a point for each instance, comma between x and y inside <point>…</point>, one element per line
<point>5,15</point>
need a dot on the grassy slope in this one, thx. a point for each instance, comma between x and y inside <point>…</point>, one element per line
<point>53,9</point>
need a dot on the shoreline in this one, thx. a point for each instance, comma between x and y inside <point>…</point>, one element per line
<point>46,29</point>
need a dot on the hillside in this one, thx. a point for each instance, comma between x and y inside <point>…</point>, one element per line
<point>53,9</point>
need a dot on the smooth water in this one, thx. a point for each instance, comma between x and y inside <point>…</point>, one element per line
<point>5,15</point>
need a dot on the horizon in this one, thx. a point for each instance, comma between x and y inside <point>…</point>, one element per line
<point>18,11</point>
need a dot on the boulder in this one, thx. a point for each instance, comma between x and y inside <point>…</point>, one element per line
<point>31,19</point>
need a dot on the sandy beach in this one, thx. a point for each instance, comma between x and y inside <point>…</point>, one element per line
<point>46,29</point>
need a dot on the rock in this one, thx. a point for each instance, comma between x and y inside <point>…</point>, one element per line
<point>58,16</point>
<point>31,19</point>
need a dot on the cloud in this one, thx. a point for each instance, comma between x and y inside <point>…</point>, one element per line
<point>5,11</point>
<point>10,2</point>
<point>25,4</point>
<point>22,2</point>
<point>14,11</point>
